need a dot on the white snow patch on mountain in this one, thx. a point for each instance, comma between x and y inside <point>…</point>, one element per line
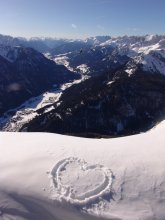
<point>143,47</point>
<point>153,64</point>
<point>146,49</point>
<point>84,69</point>
<point>129,71</point>
<point>63,60</point>
<point>149,37</point>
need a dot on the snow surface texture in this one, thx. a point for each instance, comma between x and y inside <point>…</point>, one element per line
<point>50,176</point>
<point>70,174</point>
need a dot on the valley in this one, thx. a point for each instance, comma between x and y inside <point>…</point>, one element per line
<point>124,75</point>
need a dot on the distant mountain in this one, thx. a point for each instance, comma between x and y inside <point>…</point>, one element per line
<point>24,73</point>
<point>78,45</point>
<point>97,40</point>
<point>93,61</point>
<point>68,47</point>
<point>45,44</point>
<point>98,54</point>
<point>9,41</point>
<point>42,45</point>
<point>148,52</point>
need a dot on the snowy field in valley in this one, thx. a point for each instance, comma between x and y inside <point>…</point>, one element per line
<point>50,176</point>
<point>28,110</point>
<point>14,119</point>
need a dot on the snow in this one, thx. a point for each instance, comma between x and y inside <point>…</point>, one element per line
<point>147,49</point>
<point>28,110</point>
<point>110,82</point>
<point>63,60</point>
<point>149,37</point>
<point>83,68</point>
<point>153,64</point>
<point>129,71</point>
<point>98,180</point>
<point>141,50</point>
<point>51,176</point>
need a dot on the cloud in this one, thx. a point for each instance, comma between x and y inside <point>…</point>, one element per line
<point>74,26</point>
<point>100,27</point>
<point>133,29</point>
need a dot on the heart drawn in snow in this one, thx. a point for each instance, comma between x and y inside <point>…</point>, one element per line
<point>78,182</point>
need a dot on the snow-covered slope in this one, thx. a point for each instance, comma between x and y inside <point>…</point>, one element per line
<point>149,51</point>
<point>49,176</point>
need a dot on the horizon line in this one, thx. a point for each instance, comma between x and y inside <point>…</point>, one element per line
<point>83,38</point>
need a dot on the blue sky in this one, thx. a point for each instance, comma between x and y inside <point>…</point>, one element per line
<point>81,18</point>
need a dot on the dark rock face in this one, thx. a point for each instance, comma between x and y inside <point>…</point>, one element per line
<point>27,74</point>
<point>109,105</point>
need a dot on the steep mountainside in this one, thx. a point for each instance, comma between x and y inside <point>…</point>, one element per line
<point>110,105</point>
<point>24,73</point>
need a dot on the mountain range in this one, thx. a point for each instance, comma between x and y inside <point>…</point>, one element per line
<point>121,89</point>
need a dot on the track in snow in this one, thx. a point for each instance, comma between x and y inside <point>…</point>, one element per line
<point>80,183</point>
